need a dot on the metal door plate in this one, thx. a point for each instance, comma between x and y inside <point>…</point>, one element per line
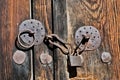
<point>93,34</point>
<point>35,26</point>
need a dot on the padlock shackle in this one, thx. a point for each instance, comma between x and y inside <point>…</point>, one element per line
<point>83,41</point>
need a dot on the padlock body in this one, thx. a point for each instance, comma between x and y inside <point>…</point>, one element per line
<point>75,60</point>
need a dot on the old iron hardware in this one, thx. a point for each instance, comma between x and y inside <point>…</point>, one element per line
<point>76,59</point>
<point>19,57</point>
<point>45,58</point>
<point>35,26</point>
<point>89,32</point>
<point>86,38</point>
<point>83,41</point>
<point>106,57</point>
<point>55,41</point>
<point>31,32</point>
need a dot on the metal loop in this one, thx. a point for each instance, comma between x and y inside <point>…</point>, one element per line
<point>58,42</point>
<point>22,43</point>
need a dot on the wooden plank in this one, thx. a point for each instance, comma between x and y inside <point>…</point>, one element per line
<point>12,13</point>
<point>42,12</point>
<point>104,15</point>
<point>60,28</point>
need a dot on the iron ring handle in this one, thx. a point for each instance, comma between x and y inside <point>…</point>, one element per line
<point>19,40</point>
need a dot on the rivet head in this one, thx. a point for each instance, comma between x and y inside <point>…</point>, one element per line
<point>19,57</point>
<point>45,58</point>
<point>106,57</point>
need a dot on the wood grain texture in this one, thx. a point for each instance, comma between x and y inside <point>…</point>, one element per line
<point>105,16</point>
<point>42,12</point>
<point>60,28</point>
<point>12,12</point>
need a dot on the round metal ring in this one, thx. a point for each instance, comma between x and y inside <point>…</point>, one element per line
<point>22,43</point>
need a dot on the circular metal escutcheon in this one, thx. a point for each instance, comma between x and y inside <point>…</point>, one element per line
<point>36,27</point>
<point>89,32</point>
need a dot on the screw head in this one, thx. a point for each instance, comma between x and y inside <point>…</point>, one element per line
<point>106,57</point>
<point>19,57</point>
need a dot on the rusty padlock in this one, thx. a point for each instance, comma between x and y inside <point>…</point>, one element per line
<point>75,60</point>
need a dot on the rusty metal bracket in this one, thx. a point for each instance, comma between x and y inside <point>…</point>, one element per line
<point>54,40</point>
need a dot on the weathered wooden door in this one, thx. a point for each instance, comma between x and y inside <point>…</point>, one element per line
<point>61,17</point>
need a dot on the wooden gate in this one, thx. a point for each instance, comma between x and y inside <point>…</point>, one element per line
<point>62,17</point>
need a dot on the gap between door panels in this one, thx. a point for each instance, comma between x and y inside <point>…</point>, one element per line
<point>33,56</point>
<point>32,51</point>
